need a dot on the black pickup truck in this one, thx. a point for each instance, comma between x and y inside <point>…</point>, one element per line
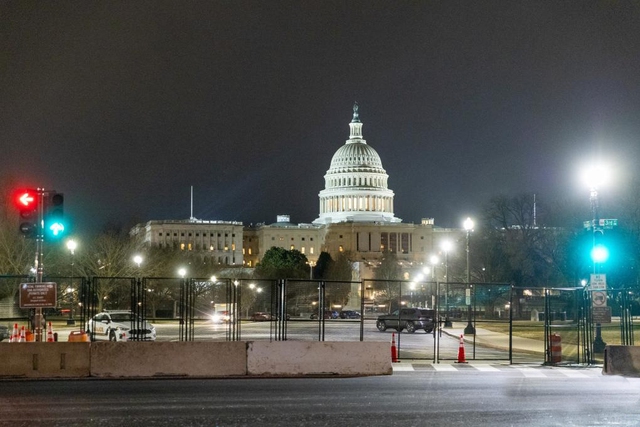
<point>410,319</point>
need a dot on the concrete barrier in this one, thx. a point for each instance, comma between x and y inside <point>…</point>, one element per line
<point>168,359</point>
<point>300,358</point>
<point>45,360</point>
<point>621,360</point>
<point>193,359</point>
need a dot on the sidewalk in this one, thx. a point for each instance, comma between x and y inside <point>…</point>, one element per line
<point>496,340</point>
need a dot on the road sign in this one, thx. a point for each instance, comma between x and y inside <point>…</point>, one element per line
<point>467,296</point>
<point>598,299</point>
<point>607,224</point>
<point>598,282</point>
<point>601,314</point>
<point>38,295</point>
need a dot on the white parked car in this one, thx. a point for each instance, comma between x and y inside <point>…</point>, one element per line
<point>120,325</point>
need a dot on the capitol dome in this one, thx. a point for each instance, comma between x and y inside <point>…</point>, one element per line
<point>356,183</point>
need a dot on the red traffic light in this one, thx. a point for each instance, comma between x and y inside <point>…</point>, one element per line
<point>26,201</point>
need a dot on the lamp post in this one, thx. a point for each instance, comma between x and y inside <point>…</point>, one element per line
<point>446,246</point>
<point>71,245</point>
<point>595,177</point>
<point>138,260</point>
<point>434,260</point>
<point>311,265</point>
<point>469,330</point>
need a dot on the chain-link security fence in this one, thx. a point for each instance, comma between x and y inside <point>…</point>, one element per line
<point>497,321</point>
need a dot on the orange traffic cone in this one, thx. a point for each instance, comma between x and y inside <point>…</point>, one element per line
<point>22,336</point>
<point>15,335</point>
<point>461,358</point>
<point>394,350</point>
<point>50,333</point>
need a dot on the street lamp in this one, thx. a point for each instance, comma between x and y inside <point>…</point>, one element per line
<point>595,177</point>
<point>182,272</point>
<point>138,260</point>
<point>446,246</point>
<point>71,245</point>
<point>311,265</point>
<point>434,260</point>
<point>469,330</point>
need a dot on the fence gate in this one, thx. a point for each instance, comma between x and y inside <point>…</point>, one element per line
<point>608,320</point>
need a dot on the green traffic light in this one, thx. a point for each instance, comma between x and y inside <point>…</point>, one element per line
<point>57,228</point>
<point>599,254</point>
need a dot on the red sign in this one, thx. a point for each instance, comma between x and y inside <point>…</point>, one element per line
<point>38,295</point>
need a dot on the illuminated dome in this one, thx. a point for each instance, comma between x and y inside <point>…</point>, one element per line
<point>356,183</point>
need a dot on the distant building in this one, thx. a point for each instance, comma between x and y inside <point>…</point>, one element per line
<point>218,241</point>
<point>356,216</point>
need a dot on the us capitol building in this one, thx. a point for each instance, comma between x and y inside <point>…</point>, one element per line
<point>356,217</point>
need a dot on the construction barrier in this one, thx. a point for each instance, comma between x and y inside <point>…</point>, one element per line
<point>621,360</point>
<point>193,359</point>
<point>461,356</point>
<point>394,349</point>
<point>78,336</point>
<point>302,358</point>
<point>555,341</point>
<point>50,337</point>
<point>43,360</point>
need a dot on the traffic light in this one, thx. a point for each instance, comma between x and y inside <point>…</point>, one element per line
<point>54,216</point>
<point>599,254</point>
<point>27,203</point>
<point>599,251</point>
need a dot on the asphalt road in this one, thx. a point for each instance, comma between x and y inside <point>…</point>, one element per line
<point>416,395</point>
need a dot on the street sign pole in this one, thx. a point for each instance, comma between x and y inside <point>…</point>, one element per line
<point>38,318</point>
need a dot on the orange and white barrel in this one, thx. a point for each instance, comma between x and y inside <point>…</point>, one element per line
<point>556,348</point>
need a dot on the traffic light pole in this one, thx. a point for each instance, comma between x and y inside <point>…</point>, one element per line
<point>598,342</point>
<point>39,267</point>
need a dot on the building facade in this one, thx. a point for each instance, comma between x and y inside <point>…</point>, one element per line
<point>356,216</point>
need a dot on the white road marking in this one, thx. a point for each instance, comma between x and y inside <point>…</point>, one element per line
<point>484,368</point>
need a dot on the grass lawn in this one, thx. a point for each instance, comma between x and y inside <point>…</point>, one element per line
<point>567,330</point>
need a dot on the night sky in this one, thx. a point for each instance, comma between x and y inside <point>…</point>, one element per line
<point>123,106</point>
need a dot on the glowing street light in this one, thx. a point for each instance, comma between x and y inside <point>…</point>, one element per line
<point>182,272</point>
<point>311,265</point>
<point>434,260</point>
<point>138,260</point>
<point>446,246</point>
<point>71,245</point>
<point>468,226</point>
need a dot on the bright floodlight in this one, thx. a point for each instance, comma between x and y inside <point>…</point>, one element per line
<point>595,176</point>
<point>468,224</point>
<point>138,260</point>
<point>446,245</point>
<point>434,259</point>
<point>182,272</point>
<point>72,245</point>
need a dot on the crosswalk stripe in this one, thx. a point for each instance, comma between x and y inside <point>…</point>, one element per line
<point>572,374</point>
<point>485,368</point>
<point>444,368</point>
<point>530,372</point>
<point>401,368</point>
